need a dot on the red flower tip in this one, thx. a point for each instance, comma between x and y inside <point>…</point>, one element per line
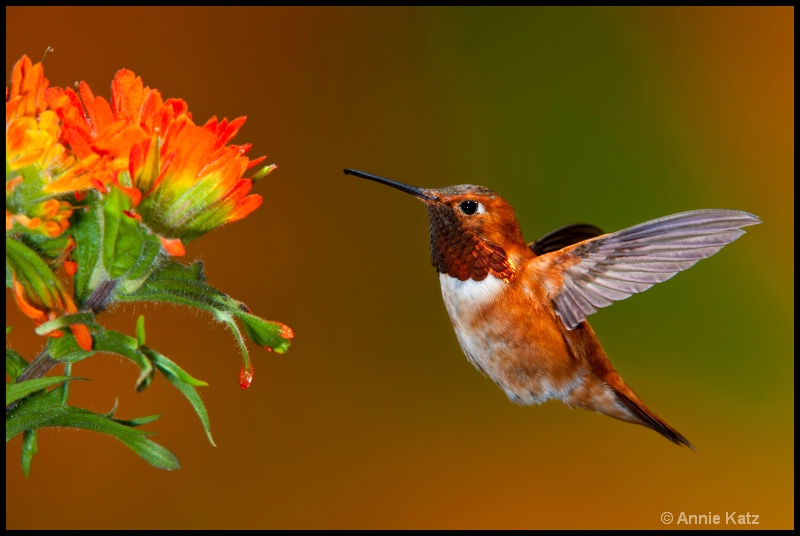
<point>71,267</point>
<point>286,331</point>
<point>174,246</point>
<point>132,215</point>
<point>256,162</point>
<point>245,377</point>
<point>133,193</point>
<point>99,186</point>
<point>82,336</point>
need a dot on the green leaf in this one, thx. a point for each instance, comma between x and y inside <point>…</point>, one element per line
<point>166,365</point>
<point>140,335</point>
<point>64,322</point>
<point>129,251</point>
<point>184,383</point>
<point>113,410</point>
<point>33,274</point>
<point>126,346</point>
<point>122,235</point>
<point>139,421</point>
<point>146,358</point>
<point>50,249</point>
<point>119,343</point>
<point>186,285</point>
<point>66,349</point>
<point>15,391</point>
<point>88,232</point>
<point>263,332</point>
<point>145,377</point>
<point>29,448</point>
<point>178,271</point>
<point>145,263</point>
<point>64,387</point>
<point>15,364</point>
<point>27,192</point>
<point>41,415</point>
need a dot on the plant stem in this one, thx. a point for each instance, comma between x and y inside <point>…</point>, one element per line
<point>38,367</point>
<point>42,364</point>
<point>97,300</point>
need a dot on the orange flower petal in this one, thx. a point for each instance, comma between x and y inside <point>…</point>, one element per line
<point>132,215</point>
<point>286,331</point>
<point>27,87</point>
<point>24,306</point>
<point>71,267</point>
<point>245,206</point>
<point>82,336</point>
<point>173,246</point>
<point>133,193</point>
<point>10,185</point>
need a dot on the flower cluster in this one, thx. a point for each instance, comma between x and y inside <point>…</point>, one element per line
<point>181,179</point>
<point>101,196</point>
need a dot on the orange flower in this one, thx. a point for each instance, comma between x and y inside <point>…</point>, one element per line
<point>50,217</point>
<point>45,306</point>
<point>38,292</point>
<point>183,179</point>
<point>193,182</point>
<point>42,168</point>
<point>93,126</point>
<point>28,84</point>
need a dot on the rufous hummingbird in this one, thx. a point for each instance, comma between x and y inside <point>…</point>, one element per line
<point>519,309</point>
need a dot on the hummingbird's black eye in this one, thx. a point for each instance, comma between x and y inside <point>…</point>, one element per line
<point>468,207</point>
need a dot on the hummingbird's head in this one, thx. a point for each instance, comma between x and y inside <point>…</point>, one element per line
<point>473,229</point>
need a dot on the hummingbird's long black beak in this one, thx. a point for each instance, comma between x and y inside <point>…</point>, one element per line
<point>418,192</point>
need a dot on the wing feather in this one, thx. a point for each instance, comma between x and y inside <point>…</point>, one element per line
<point>563,237</point>
<point>599,271</point>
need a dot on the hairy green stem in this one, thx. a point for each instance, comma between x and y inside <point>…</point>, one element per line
<point>42,364</point>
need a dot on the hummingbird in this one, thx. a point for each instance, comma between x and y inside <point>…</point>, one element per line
<point>519,309</point>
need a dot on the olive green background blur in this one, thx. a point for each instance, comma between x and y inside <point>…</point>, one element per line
<point>374,418</point>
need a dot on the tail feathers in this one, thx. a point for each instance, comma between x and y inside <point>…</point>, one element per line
<point>648,418</point>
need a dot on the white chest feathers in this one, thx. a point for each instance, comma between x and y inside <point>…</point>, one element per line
<point>482,340</point>
<point>463,301</point>
<point>462,298</point>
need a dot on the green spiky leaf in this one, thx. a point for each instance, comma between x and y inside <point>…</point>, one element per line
<point>15,364</point>
<point>42,413</point>
<point>29,448</point>
<point>16,391</point>
<point>186,285</point>
<point>184,383</point>
<point>140,334</point>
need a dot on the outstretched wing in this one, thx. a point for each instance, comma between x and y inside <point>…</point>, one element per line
<point>597,272</point>
<point>563,237</point>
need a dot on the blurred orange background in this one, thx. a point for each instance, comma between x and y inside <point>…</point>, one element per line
<point>374,418</point>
